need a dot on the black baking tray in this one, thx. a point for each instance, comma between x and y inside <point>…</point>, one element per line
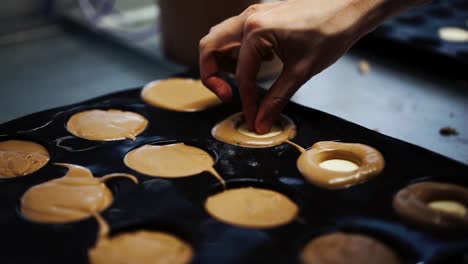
<point>418,27</point>
<point>176,205</point>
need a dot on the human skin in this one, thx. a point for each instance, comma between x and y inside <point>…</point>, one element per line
<point>307,35</point>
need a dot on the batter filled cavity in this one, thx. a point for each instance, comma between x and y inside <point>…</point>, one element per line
<point>440,207</point>
<point>179,94</point>
<point>75,196</point>
<point>171,161</point>
<point>251,207</point>
<point>19,158</point>
<point>106,125</point>
<point>341,248</point>
<point>233,131</point>
<point>335,165</point>
<point>141,247</point>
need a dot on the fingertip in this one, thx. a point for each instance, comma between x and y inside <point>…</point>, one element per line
<point>263,127</point>
<point>265,119</point>
<point>220,87</point>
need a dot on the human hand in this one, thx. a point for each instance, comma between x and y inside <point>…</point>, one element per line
<point>307,35</point>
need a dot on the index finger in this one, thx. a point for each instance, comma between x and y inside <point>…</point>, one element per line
<point>223,37</point>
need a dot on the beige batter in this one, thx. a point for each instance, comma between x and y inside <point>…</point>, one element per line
<point>170,161</point>
<point>19,157</point>
<point>75,196</point>
<point>368,162</point>
<point>341,248</point>
<point>106,125</point>
<point>139,247</point>
<point>233,131</point>
<point>252,207</point>
<point>179,94</point>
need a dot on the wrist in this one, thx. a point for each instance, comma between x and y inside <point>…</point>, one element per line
<point>374,12</point>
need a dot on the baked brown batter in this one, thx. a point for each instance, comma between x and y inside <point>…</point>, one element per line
<point>75,196</point>
<point>139,247</point>
<point>341,248</point>
<point>232,131</point>
<point>19,157</point>
<point>170,161</point>
<point>251,207</point>
<point>106,125</point>
<point>420,203</point>
<point>369,161</point>
<point>179,94</point>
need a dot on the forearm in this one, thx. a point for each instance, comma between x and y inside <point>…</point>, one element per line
<point>374,12</point>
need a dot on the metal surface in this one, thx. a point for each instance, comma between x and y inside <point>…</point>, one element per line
<point>397,99</point>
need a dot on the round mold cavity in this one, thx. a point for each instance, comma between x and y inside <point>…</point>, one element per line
<point>161,142</point>
<point>51,149</point>
<point>180,229</point>
<point>400,247</point>
<point>362,163</point>
<point>175,229</point>
<point>103,106</point>
<point>255,183</point>
<point>413,203</point>
<point>113,185</point>
<point>228,131</point>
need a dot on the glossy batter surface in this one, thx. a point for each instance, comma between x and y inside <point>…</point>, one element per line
<point>233,131</point>
<point>75,196</point>
<point>141,247</point>
<point>106,125</point>
<point>170,161</point>
<point>341,248</point>
<point>179,94</point>
<point>252,207</point>
<point>369,163</point>
<point>20,157</point>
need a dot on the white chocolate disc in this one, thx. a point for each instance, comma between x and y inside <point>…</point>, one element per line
<point>339,165</point>
<point>453,34</point>
<point>448,206</point>
<point>275,130</point>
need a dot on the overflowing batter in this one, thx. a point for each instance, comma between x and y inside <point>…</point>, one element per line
<point>139,247</point>
<point>107,125</point>
<point>252,207</point>
<point>19,157</point>
<point>75,196</point>
<point>341,248</point>
<point>170,161</point>
<point>335,165</point>
<point>234,131</point>
<point>179,94</point>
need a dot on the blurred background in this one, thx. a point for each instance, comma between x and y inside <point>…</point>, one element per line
<point>408,79</point>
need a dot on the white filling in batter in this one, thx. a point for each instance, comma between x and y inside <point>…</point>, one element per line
<point>339,165</point>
